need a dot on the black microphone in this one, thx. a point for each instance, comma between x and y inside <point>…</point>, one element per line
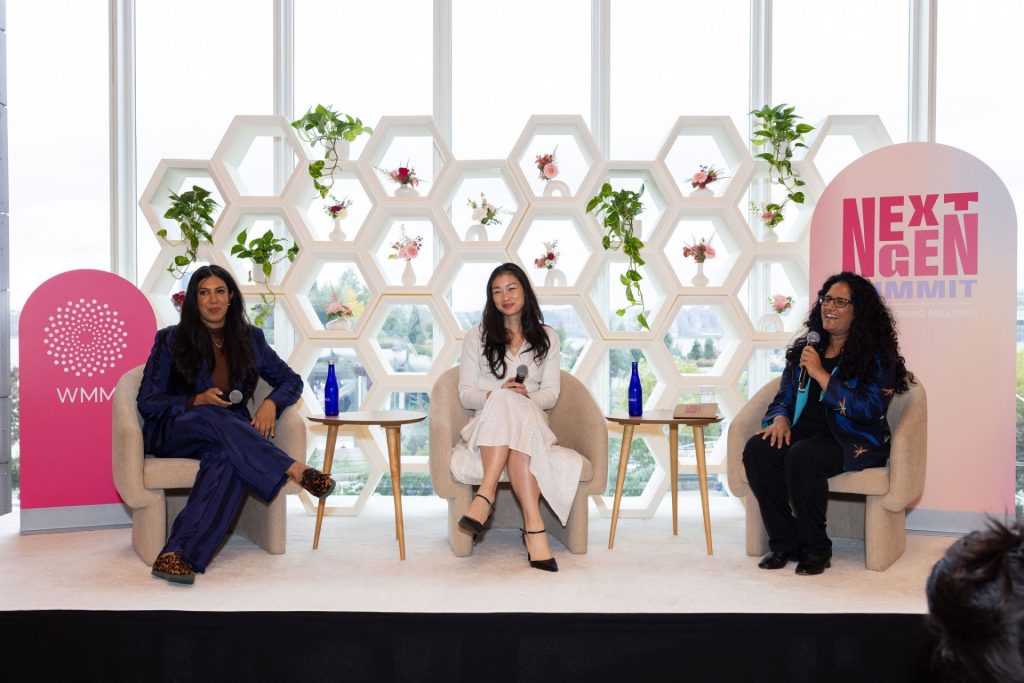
<point>812,340</point>
<point>521,374</point>
<point>235,396</point>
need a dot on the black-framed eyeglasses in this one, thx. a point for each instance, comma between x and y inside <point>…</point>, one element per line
<point>837,301</point>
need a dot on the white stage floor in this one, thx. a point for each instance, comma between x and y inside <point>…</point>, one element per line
<point>356,569</point>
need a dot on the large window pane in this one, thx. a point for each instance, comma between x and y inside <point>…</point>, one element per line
<point>842,58</point>
<point>513,60</point>
<point>671,59</point>
<point>198,65</point>
<point>365,59</point>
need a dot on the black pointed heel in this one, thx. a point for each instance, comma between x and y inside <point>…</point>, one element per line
<point>470,525</point>
<point>548,565</point>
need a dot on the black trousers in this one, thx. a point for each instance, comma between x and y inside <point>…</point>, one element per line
<point>797,472</point>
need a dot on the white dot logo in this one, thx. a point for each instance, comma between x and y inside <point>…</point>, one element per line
<point>85,338</point>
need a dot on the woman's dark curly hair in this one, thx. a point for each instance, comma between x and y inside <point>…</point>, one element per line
<point>192,345</point>
<point>872,334</point>
<point>976,607</point>
<point>492,325</point>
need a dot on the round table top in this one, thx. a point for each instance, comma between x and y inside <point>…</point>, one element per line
<point>384,418</point>
<point>661,417</point>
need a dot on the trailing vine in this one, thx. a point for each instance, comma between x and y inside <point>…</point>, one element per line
<point>779,131</point>
<point>193,212</point>
<point>620,208</point>
<point>323,126</point>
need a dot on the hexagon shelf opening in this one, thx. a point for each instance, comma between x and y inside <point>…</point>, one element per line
<point>654,198</point>
<point>609,296</point>
<point>767,280</point>
<point>312,209</point>
<point>247,153</point>
<point>410,141</point>
<point>690,229</point>
<point>765,364</point>
<point>711,141</point>
<point>574,333</point>
<point>574,250</point>
<point>567,137</point>
<point>353,380</point>
<point>177,176</point>
<point>273,320</point>
<point>341,280</point>
<point>465,295</point>
<point>698,340</point>
<point>409,339</point>
<point>426,261</point>
<point>256,225</point>
<point>492,183</point>
<point>415,437</point>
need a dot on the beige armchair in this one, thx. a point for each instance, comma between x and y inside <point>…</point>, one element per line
<point>578,423</point>
<point>870,504</point>
<point>155,489</point>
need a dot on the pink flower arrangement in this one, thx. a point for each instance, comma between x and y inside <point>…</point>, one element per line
<point>705,176</point>
<point>337,208</point>
<point>403,175</point>
<point>701,250</point>
<point>547,164</point>
<point>177,299</point>
<point>780,303</point>
<point>549,258</point>
<point>406,247</point>
<point>770,214</point>
<point>336,309</point>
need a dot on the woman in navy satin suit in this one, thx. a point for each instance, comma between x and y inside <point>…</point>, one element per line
<point>185,400</point>
<point>835,424</point>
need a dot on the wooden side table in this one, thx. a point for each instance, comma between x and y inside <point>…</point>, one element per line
<point>391,421</point>
<point>665,417</point>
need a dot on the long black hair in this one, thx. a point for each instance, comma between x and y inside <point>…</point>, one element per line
<point>192,345</point>
<point>872,334</point>
<point>976,607</point>
<point>492,324</point>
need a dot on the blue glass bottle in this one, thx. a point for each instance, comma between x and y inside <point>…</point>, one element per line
<point>636,392</point>
<point>331,391</point>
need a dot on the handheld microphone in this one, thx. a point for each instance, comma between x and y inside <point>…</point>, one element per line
<point>521,374</point>
<point>235,396</point>
<point>812,340</point>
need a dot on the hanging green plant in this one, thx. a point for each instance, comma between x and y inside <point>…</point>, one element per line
<point>778,130</point>
<point>323,126</point>
<point>263,252</point>
<point>620,209</point>
<point>193,212</point>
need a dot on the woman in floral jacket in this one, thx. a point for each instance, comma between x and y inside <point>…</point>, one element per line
<point>835,424</point>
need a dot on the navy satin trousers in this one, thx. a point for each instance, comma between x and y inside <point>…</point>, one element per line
<point>233,458</point>
<point>799,471</point>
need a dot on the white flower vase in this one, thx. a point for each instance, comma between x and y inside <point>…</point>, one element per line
<point>769,236</point>
<point>336,233</point>
<point>770,322</point>
<point>703,193</point>
<point>554,278</point>
<point>339,324</point>
<point>553,187</point>
<point>700,279</point>
<point>476,233</point>
<point>408,274</point>
<point>406,191</point>
<point>257,275</point>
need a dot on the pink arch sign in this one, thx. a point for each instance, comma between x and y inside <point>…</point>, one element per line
<point>935,231</point>
<point>79,332</point>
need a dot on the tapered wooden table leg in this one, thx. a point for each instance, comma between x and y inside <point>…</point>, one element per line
<point>394,435</point>
<point>627,440</point>
<point>702,476</point>
<point>673,473</point>
<point>332,439</point>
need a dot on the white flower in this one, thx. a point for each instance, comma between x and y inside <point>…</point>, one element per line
<point>480,213</point>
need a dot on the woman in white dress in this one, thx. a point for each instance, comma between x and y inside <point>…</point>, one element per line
<point>510,433</point>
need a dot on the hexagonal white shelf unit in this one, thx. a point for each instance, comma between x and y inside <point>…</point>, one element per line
<point>696,321</point>
<point>834,143</point>
<point>567,315</point>
<point>406,355</point>
<point>436,254</point>
<point>577,155</point>
<point>606,293</point>
<point>412,141</point>
<point>729,237</point>
<point>785,273</point>
<point>466,287</point>
<point>660,192</point>
<point>158,285</point>
<point>576,235</point>
<point>315,273</point>
<point>177,176</point>
<point>607,374</point>
<point>256,222</point>
<point>764,361</point>
<point>358,371</point>
<point>348,184</point>
<point>497,181</point>
<point>712,141</point>
<point>277,324</point>
<point>247,151</point>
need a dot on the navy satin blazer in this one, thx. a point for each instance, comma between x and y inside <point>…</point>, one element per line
<point>855,413</point>
<point>164,393</point>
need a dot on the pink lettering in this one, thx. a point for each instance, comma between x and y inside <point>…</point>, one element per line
<point>925,249</point>
<point>923,210</point>
<point>893,260</point>
<point>960,200</point>
<point>887,215</point>
<point>960,244</point>
<point>858,239</point>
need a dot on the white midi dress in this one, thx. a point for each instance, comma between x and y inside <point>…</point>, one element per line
<point>507,418</point>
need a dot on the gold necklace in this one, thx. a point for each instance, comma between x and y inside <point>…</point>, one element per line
<point>220,347</point>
